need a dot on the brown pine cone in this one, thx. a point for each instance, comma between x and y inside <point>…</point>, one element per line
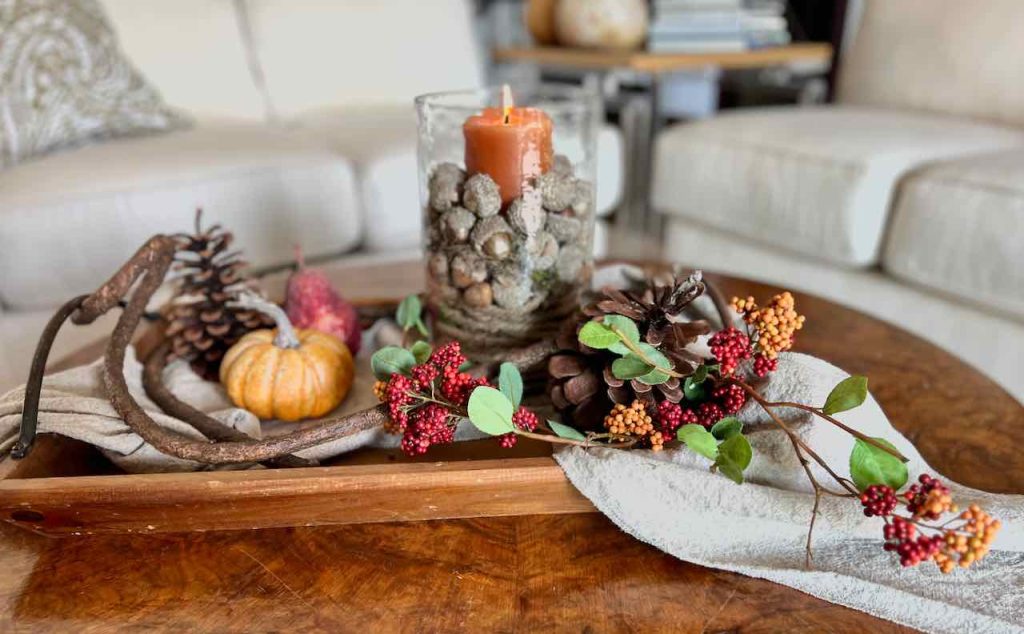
<point>201,325</point>
<point>581,383</point>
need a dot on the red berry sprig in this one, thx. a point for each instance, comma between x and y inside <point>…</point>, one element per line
<point>729,347</point>
<point>949,545</point>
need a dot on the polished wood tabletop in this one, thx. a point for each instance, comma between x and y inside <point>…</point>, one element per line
<point>573,573</point>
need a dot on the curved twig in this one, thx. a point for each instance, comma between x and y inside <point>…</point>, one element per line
<point>34,386</point>
<point>152,383</point>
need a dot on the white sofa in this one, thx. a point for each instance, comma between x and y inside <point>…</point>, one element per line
<point>304,133</point>
<point>905,199</point>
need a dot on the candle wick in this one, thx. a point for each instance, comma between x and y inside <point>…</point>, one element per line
<point>506,101</point>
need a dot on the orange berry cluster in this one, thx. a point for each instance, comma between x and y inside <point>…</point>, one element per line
<point>634,421</point>
<point>776,323</point>
<point>970,542</point>
<point>380,390</point>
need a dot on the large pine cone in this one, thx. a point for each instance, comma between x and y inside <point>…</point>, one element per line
<point>202,327</point>
<point>581,383</point>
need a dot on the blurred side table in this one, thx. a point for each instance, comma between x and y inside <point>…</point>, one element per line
<point>606,71</point>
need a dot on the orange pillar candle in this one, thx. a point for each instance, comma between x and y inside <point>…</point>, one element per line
<point>511,145</point>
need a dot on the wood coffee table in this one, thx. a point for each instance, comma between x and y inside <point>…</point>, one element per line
<point>560,572</point>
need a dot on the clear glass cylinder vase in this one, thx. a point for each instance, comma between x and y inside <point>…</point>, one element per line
<point>507,184</point>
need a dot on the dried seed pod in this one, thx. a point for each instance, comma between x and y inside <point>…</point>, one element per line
<point>456,224</point>
<point>583,201</point>
<point>564,228</point>
<point>479,295</point>
<point>526,214</point>
<point>570,262</point>
<point>544,249</point>
<point>492,236</point>
<point>437,264</point>
<point>556,190</point>
<point>444,186</point>
<point>481,196</point>
<point>561,165</point>
<point>513,295</point>
<point>467,268</point>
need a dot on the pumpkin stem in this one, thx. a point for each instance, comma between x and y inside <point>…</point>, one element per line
<point>286,337</point>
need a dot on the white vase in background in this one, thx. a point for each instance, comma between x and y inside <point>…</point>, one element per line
<point>601,23</point>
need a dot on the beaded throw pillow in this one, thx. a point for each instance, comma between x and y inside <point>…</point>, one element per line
<point>64,82</point>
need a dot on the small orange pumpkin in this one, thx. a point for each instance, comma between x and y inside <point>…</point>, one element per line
<point>287,373</point>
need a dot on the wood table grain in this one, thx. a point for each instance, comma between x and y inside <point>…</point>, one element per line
<point>573,573</point>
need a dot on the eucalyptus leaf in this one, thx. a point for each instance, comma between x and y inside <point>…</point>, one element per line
<point>564,431</point>
<point>421,351</point>
<point>510,382</point>
<point>654,377</point>
<point>625,326</point>
<point>848,394</point>
<point>409,311</point>
<point>619,348</point>
<point>490,411</point>
<point>630,367</point>
<point>727,427</point>
<point>598,336</point>
<point>390,360</point>
<point>734,456</point>
<point>698,439</point>
<point>700,374</point>
<point>654,355</point>
<point>871,465</point>
<point>422,327</point>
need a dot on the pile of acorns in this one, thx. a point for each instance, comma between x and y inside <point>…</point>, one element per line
<point>482,256</point>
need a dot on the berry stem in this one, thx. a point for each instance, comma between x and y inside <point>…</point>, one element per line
<point>817,412</point>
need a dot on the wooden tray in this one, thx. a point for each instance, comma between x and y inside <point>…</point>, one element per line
<point>65,487</point>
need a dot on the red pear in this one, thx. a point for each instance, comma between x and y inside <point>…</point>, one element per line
<point>311,302</point>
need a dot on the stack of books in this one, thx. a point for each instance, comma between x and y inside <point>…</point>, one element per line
<point>703,26</point>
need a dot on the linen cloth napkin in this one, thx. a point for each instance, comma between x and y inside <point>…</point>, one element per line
<point>671,501</point>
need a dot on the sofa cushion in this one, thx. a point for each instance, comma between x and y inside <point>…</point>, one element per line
<point>69,220</point>
<point>944,56</point>
<point>193,52</point>
<point>381,143</point>
<point>317,54</point>
<point>817,181</point>
<point>958,227</point>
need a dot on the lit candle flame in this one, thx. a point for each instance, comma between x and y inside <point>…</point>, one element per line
<point>506,101</point>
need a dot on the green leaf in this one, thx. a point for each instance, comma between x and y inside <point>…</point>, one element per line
<point>654,377</point>
<point>693,391</point>
<point>490,411</point>
<point>698,439</point>
<point>734,455</point>
<point>849,393</point>
<point>465,366</point>
<point>408,314</point>
<point>391,359</point>
<point>630,367</point>
<point>564,431</point>
<point>870,465</point>
<point>598,336</point>
<point>421,351</point>
<point>655,355</point>
<point>626,327</point>
<point>700,374</point>
<point>727,427</point>
<point>422,327</point>
<point>510,382</point>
